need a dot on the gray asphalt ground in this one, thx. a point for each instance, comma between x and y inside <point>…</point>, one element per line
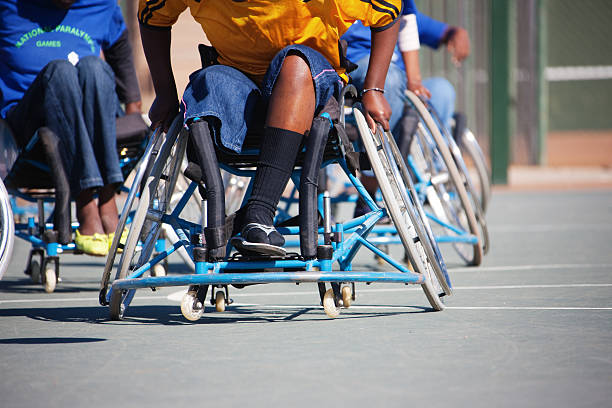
<point>531,327</point>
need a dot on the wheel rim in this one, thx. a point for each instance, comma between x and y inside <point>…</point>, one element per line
<point>449,188</point>
<point>400,216</point>
<point>7,230</point>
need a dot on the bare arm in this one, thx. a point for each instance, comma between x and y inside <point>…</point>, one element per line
<point>156,45</point>
<point>376,106</point>
<point>413,73</point>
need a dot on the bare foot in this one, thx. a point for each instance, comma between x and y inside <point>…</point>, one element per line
<point>107,208</point>
<point>87,213</point>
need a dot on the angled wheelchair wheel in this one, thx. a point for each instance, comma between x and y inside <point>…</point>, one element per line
<point>477,164</point>
<point>467,179</point>
<point>153,204</point>
<point>142,174</point>
<point>445,189</point>
<point>7,230</point>
<point>417,215</point>
<point>471,190</point>
<point>395,195</point>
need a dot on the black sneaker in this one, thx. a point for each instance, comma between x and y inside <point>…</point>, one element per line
<point>259,239</point>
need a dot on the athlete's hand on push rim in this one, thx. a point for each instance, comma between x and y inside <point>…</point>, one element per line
<point>377,109</point>
<point>163,111</point>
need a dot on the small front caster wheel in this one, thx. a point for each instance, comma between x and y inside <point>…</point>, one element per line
<point>191,307</point>
<point>50,279</point>
<point>329,304</point>
<point>347,296</point>
<point>35,271</point>
<point>220,301</point>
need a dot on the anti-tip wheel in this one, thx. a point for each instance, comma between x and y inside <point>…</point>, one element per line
<point>191,308</point>
<point>50,279</point>
<point>220,301</point>
<point>329,304</point>
<point>347,297</point>
<point>35,271</point>
<point>116,308</point>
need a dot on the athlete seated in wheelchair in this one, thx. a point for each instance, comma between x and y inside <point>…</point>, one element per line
<point>265,89</point>
<point>285,83</point>
<point>61,102</point>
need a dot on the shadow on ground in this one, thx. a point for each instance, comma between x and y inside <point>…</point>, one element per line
<point>171,316</point>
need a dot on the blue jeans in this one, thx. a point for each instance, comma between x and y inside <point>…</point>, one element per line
<point>442,98</point>
<point>79,104</point>
<point>239,104</point>
<point>442,92</point>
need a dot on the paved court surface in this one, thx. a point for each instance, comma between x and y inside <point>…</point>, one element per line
<point>532,327</point>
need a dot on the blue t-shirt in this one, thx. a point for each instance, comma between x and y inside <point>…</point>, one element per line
<point>358,36</point>
<point>34,33</point>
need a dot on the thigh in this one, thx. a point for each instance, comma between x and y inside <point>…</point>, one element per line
<point>227,95</point>
<point>326,81</point>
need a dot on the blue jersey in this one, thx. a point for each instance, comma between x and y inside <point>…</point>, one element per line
<point>34,33</point>
<point>358,36</point>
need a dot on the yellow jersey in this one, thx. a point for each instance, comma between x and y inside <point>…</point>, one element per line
<point>247,34</point>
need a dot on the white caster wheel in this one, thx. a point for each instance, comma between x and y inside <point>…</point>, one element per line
<point>158,270</point>
<point>191,308</point>
<point>329,305</point>
<point>347,297</point>
<point>50,279</point>
<point>35,272</point>
<point>220,301</point>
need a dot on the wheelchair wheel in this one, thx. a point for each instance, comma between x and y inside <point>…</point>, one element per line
<point>50,279</point>
<point>471,190</point>
<point>475,160</point>
<point>153,204</point>
<point>416,242</point>
<point>142,174</point>
<point>446,191</point>
<point>7,230</point>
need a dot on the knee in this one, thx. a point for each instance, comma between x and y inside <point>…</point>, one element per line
<point>60,72</point>
<point>95,68</point>
<point>296,68</point>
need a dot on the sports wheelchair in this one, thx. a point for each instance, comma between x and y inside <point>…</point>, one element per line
<point>321,244</point>
<point>35,173</point>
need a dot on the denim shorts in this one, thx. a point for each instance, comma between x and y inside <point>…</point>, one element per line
<point>239,104</point>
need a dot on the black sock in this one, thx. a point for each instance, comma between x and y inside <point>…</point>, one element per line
<point>279,149</point>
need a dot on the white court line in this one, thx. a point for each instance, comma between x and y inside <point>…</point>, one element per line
<point>528,267</point>
<point>177,296</point>
<point>388,307</point>
<point>550,227</point>
<point>54,300</point>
